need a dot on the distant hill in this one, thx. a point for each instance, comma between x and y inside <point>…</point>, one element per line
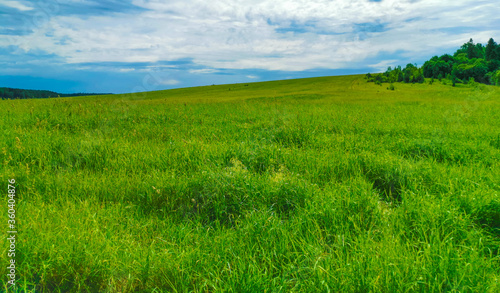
<point>12,93</point>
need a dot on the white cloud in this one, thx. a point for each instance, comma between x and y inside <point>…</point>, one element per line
<point>237,34</point>
<point>15,4</point>
<point>203,71</point>
<point>252,76</point>
<point>170,82</point>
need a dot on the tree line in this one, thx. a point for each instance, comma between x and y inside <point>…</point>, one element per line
<point>470,63</point>
<point>13,93</point>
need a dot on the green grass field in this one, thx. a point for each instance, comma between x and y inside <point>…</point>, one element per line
<point>327,184</point>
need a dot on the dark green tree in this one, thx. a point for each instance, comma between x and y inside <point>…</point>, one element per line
<point>493,65</point>
<point>446,58</point>
<point>479,50</point>
<point>491,50</point>
<point>471,49</point>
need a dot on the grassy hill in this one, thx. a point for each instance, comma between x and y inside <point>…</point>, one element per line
<point>327,184</point>
<point>13,93</point>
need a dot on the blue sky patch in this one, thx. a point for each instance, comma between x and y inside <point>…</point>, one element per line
<point>370,27</point>
<point>97,8</point>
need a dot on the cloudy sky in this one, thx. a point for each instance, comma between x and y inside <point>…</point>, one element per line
<point>137,45</point>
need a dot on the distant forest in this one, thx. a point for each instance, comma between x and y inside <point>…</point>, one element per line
<point>471,63</point>
<point>11,93</point>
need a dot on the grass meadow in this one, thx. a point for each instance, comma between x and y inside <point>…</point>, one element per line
<point>327,184</point>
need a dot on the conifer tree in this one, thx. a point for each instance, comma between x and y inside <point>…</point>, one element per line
<point>491,50</point>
